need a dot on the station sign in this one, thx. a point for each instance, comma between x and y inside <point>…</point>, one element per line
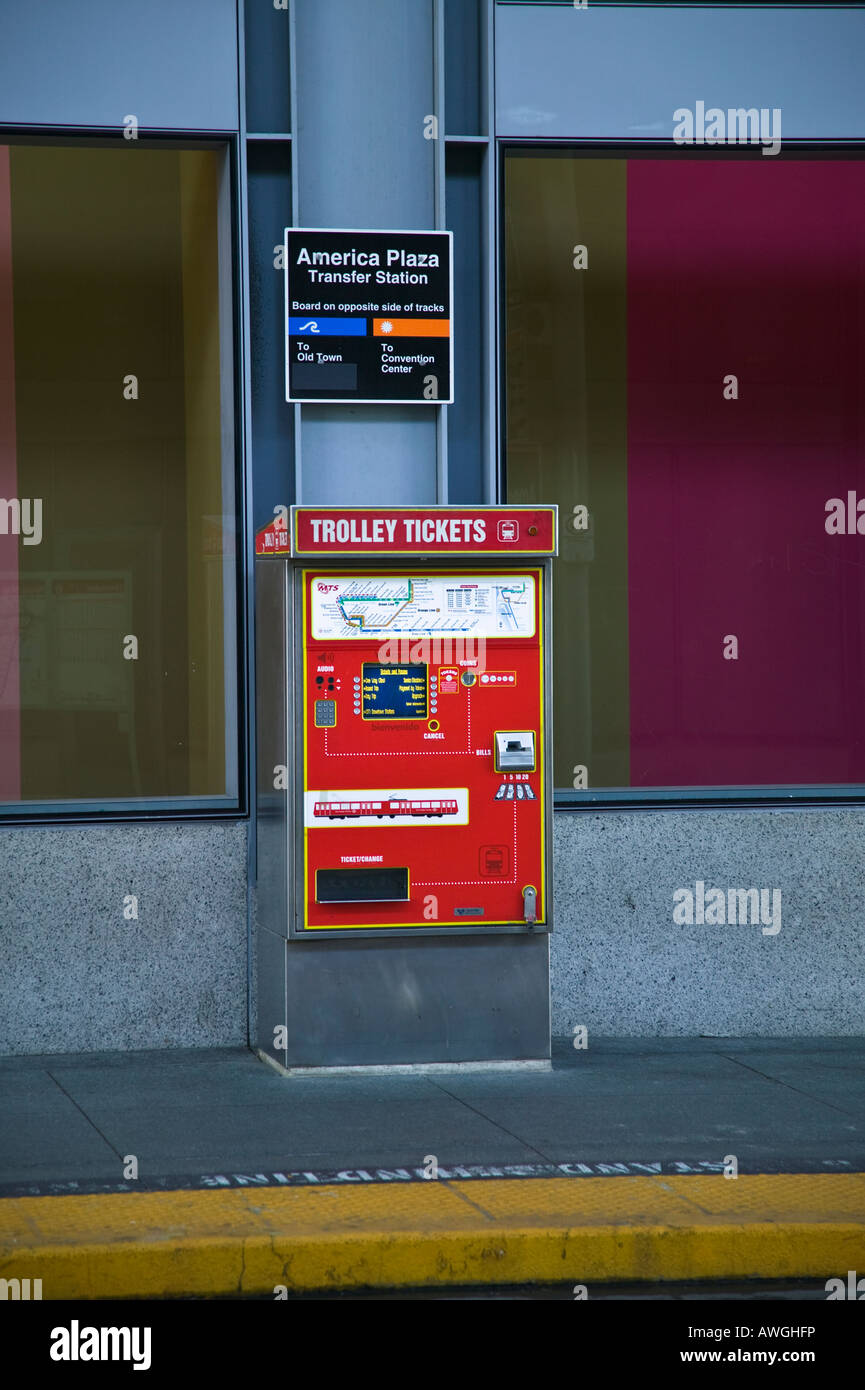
<point>368,316</point>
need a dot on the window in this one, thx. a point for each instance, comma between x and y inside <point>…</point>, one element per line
<point>696,384</point>
<point>117,496</point>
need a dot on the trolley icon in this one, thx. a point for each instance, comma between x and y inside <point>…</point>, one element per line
<point>509,530</point>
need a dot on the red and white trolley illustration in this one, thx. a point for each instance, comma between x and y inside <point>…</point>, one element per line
<point>393,806</point>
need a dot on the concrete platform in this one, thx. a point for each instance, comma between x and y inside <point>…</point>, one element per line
<point>609,1167</point>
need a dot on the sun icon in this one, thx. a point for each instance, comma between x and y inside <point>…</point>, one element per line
<point>386,326</point>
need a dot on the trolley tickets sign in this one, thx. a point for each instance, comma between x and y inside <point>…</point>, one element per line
<point>389,531</point>
<point>368,316</point>
<point>385,532</point>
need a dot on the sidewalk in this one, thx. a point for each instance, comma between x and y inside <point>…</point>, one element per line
<point>609,1167</point>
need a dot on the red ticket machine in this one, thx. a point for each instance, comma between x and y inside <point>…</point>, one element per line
<point>417,721</point>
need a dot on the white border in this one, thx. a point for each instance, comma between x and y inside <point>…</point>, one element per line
<point>515,555</point>
<point>385,821</point>
<point>320,633</point>
<point>408,1069</point>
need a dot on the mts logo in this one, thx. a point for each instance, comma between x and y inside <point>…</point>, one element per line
<point>20,1289</point>
<point>327,588</point>
<point>855,1289</point>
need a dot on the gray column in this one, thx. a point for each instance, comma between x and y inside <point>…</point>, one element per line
<point>363,84</point>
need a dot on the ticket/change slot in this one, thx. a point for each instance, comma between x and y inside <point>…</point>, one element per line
<point>515,751</point>
<point>377,885</point>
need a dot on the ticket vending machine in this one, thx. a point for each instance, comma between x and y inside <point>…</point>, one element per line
<point>403,877</point>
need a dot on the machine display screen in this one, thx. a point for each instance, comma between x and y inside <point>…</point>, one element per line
<point>394,692</point>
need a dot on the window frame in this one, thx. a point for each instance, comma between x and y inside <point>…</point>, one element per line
<point>234,382</point>
<point>788,797</point>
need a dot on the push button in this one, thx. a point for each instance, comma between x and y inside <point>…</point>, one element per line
<point>325,714</point>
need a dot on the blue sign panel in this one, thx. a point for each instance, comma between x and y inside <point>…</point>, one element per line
<point>343,328</point>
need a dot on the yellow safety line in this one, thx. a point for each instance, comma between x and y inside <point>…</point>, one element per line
<point>394,1234</point>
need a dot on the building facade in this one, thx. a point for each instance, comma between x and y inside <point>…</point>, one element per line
<point>658,218</point>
